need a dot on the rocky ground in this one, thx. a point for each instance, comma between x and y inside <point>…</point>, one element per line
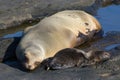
<point>16,12</point>
<point>10,69</point>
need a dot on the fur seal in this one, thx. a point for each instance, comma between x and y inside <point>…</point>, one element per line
<point>65,29</point>
<point>95,57</point>
<point>71,57</point>
<point>65,58</point>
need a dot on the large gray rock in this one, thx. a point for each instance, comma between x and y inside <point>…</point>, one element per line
<point>109,2</point>
<point>11,69</point>
<point>14,12</point>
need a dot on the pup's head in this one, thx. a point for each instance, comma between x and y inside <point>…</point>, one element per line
<point>102,55</point>
<point>98,56</point>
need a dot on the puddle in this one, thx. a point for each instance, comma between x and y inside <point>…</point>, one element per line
<point>109,18</point>
<point>16,34</point>
<point>111,46</point>
<point>12,32</point>
<point>16,31</point>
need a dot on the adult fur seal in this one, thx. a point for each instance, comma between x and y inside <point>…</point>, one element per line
<point>65,29</point>
<point>71,57</point>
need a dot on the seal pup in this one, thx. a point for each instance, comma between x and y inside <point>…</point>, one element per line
<point>65,58</point>
<point>65,29</point>
<point>71,57</point>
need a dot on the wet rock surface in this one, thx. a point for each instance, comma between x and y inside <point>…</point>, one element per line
<point>15,12</point>
<point>11,69</point>
<point>109,2</point>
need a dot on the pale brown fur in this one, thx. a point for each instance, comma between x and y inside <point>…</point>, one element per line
<point>52,34</point>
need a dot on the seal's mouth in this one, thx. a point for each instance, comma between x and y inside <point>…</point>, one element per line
<point>31,66</point>
<point>106,56</point>
<point>28,67</point>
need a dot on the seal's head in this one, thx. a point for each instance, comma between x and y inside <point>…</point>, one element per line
<point>98,56</point>
<point>31,61</point>
<point>102,55</point>
<point>30,57</point>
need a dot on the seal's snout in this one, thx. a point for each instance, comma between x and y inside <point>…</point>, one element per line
<point>106,55</point>
<point>29,67</point>
<point>31,61</point>
<point>101,56</point>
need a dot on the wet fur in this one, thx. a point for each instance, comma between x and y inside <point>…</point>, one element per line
<point>71,57</point>
<point>66,58</point>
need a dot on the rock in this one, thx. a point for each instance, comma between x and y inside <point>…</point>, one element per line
<point>11,69</point>
<point>15,12</point>
<point>117,2</point>
<point>4,44</point>
<point>9,73</point>
<point>117,48</point>
<point>109,2</point>
<point>7,48</point>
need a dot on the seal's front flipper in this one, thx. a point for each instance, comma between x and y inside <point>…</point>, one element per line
<point>81,38</point>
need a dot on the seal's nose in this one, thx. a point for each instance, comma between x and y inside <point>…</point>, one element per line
<point>107,55</point>
<point>29,67</point>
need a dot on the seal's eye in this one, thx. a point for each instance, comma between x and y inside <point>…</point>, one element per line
<point>86,24</point>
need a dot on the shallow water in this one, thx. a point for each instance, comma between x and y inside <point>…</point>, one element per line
<point>109,18</point>
<point>111,46</point>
